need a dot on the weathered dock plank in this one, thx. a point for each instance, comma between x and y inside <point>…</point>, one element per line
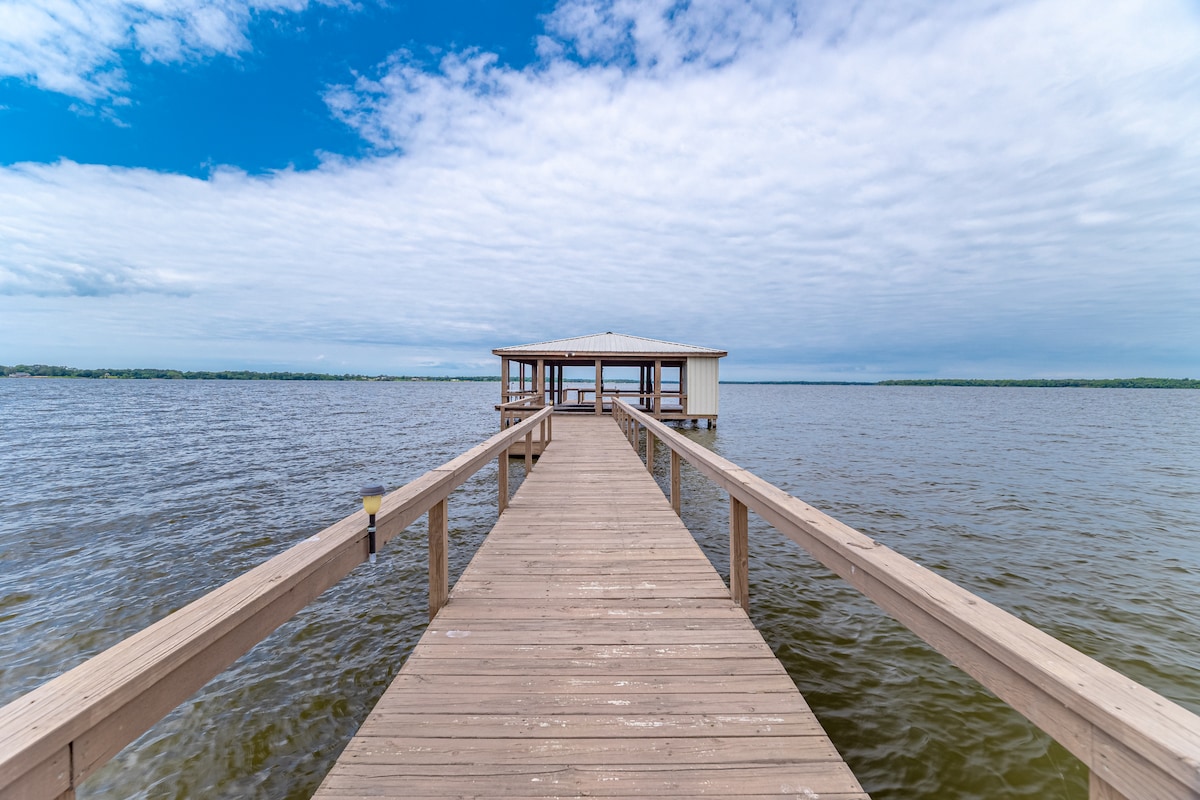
<point>590,649</point>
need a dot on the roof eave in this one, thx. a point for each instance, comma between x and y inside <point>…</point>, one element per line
<point>586,356</point>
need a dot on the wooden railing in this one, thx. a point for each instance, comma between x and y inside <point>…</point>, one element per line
<point>517,395</point>
<point>648,399</point>
<point>1136,743</point>
<point>54,737</point>
<point>513,413</point>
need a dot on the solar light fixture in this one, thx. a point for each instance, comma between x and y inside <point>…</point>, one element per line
<point>372,497</point>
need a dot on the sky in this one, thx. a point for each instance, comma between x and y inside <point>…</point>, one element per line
<point>827,190</point>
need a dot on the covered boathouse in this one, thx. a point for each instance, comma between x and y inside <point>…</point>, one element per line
<point>672,381</point>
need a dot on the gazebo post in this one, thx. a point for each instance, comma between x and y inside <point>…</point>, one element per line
<point>657,388</point>
<point>599,384</point>
<point>504,380</point>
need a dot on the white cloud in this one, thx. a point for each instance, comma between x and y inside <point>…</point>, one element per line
<point>663,35</point>
<point>847,194</point>
<point>74,46</point>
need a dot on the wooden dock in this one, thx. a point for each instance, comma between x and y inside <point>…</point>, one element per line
<point>590,649</point>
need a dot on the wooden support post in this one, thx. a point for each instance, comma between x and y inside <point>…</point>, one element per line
<point>542,434</point>
<point>649,451</point>
<point>502,474</point>
<point>439,568</point>
<point>549,428</point>
<point>529,452</point>
<point>599,386</point>
<point>739,553</point>
<point>505,382</point>
<point>657,389</point>
<point>676,484</point>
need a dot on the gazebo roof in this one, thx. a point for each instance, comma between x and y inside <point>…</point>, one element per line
<point>607,344</point>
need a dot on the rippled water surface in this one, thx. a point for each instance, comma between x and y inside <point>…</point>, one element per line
<point>1078,510</point>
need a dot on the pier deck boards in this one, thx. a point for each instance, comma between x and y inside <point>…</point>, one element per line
<point>590,649</point>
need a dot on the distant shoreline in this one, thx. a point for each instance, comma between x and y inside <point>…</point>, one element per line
<point>45,371</point>
<point>1054,383</point>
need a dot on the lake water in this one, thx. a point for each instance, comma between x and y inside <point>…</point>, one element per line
<point>1077,510</point>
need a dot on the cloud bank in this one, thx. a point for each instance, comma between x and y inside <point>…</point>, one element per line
<point>74,47</point>
<point>826,190</point>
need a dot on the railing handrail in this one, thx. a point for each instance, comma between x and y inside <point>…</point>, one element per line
<point>1133,740</point>
<point>623,393</point>
<point>58,734</point>
<point>620,395</point>
<point>526,403</point>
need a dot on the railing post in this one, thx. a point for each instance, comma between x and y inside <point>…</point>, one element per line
<point>542,434</point>
<point>676,484</point>
<point>649,451</point>
<point>439,568</point>
<point>529,452</point>
<point>502,475</point>
<point>739,553</point>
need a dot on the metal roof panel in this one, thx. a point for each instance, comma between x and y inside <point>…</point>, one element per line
<point>608,343</point>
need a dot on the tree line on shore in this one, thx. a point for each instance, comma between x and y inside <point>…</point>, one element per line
<point>45,371</point>
<point>1090,383</point>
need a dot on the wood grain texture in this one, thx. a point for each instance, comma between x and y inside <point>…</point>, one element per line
<point>439,570</point>
<point>590,649</point>
<point>739,553</point>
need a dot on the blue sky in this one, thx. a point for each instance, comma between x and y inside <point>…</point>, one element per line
<point>828,190</point>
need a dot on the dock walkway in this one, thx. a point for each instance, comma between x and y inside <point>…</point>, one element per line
<point>590,649</point>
